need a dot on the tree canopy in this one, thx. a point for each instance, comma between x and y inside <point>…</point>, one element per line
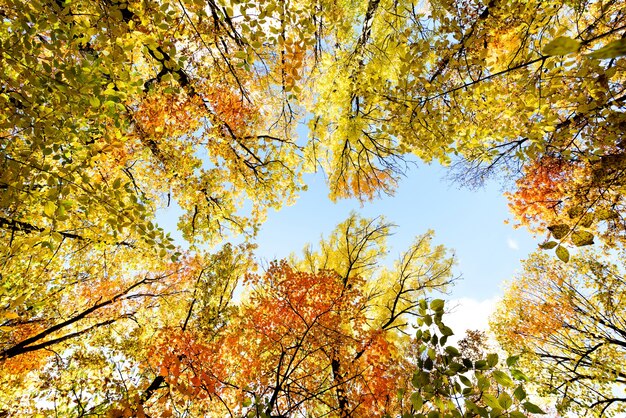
<point>567,320</point>
<point>114,110</point>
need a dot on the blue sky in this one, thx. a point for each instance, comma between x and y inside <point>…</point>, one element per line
<point>471,222</point>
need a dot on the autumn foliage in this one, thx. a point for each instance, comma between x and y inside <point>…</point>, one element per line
<point>114,113</point>
<point>300,343</point>
<point>567,320</point>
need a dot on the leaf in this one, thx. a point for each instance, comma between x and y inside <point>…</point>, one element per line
<point>562,253</point>
<point>400,394</point>
<point>502,378</point>
<point>582,238</point>
<point>561,46</point>
<point>575,212</point>
<point>532,408</point>
<point>606,214</point>
<point>465,380</point>
<point>559,231</point>
<point>417,401</point>
<point>519,393</point>
<point>491,400</point>
<point>420,379</point>
<point>587,220</point>
<point>483,383</point>
<point>548,245</point>
<point>452,351</point>
<point>11,315</point>
<point>434,414</point>
<point>49,208</point>
<point>613,49</point>
<point>446,331</point>
<point>492,359</point>
<point>480,365</point>
<point>518,375</point>
<point>437,304</point>
<point>505,400</point>
<point>512,360</point>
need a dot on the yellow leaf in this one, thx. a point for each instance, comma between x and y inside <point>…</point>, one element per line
<point>49,208</point>
<point>612,50</point>
<point>562,253</point>
<point>561,46</point>
<point>11,315</point>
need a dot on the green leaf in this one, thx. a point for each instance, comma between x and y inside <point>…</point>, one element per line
<point>454,368</point>
<point>491,400</point>
<point>417,401</point>
<point>492,359</point>
<point>437,304</point>
<point>548,245</point>
<point>562,253</point>
<point>465,380</point>
<point>480,364</point>
<point>428,363</point>
<point>502,378</point>
<point>611,50</point>
<point>420,379</point>
<point>606,214</point>
<point>532,408</point>
<point>561,46</point>
<point>519,393</point>
<point>471,406</point>
<point>516,414</point>
<point>483,383</point>
<point>505,400</point>
<point>559,231</point>
<point>452,351</point>
<point>582,238</point>
<point>446,331</point>
<point>512,360</point>
<point>400,394</point>
<point>518,375</point>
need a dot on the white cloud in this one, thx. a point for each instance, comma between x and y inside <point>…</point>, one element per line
<point>512,244</point>
<point>466,313</point>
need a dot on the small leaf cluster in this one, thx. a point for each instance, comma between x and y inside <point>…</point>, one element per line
<point>447,384</point>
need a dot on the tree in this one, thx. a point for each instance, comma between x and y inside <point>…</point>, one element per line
<point>114,110</point>
<point>567,321</point>
<point>104,110</point>
<point>79,354</point>
<point>317,343</point>
<point>326,338</point>
<point>301,343</point>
